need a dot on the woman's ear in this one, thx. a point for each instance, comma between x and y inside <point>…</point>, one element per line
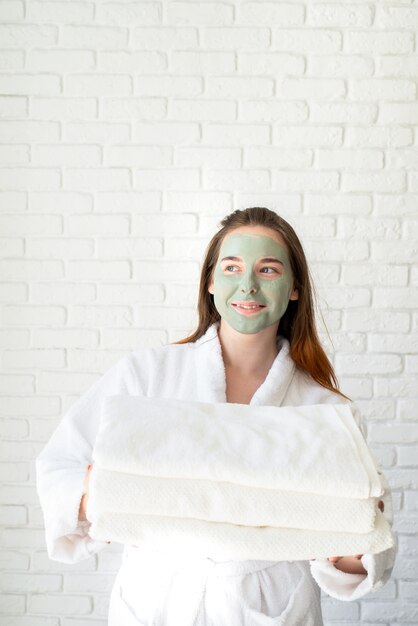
<point>210,288</point>
<point>294,295</point>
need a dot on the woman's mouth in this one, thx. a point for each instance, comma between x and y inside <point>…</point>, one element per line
<point>248,308</point>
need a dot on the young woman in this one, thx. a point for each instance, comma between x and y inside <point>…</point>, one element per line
<point>256,343</point>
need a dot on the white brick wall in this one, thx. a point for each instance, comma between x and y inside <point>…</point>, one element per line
<point>127,130</point>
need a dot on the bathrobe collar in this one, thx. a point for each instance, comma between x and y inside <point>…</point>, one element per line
<point>271,392</point>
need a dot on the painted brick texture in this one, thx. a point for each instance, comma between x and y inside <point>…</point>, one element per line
<point>127,131</point>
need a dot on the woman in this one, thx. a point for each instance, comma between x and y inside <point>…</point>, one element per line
<point>256,343</point>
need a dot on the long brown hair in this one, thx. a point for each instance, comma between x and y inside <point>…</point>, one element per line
<point>298,322</point>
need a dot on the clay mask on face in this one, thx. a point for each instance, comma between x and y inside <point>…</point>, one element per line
<point>249,280</point>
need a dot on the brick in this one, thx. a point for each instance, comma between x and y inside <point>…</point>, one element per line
<point>13,106</point>
<point>132,13</point>
<point>411,501</point>
<point>12,59</point>
<point>368,364</point>
<point>311,88</point>
<point>396,297</point>
<point>235,134</point>
<point>382,89</point>
<point>129,338</point>
<point>27,225</point>
<point>335,15</point>
<point>398,251</point>
<point>307,41</point>
<point>95,37</point>
<point>66,155</point>
<point>384,42</point>
<point>381,181</point>
<point>393,17</point>
<point>399,611</point>
<point>87,361</point>
<point>391,342</point>
<point>95,85</point>
<point>374,274</point>
<point>128,293</point>
<point>138,62</point>
<point>134,108</point>
<point>129,201</point>
<point>345,297</point>
<point>99,316</point>
<point>202,62</point>
<point>12,247</point>
<point>202,110</point>
<point>14,338</point>
<point>33,359</point>
<point>166,133</point>
<point>34,316</point>
<point>245,180</point>
<point>104,178</point>
<point>376,321</point>
<point>273,110</point>
<point>61,202</point>
<point>13,292</point>
<point>164,38</point>
<point>164,317</point>
<point>392,112</point>
<point>310,137</point>
<point>411,364</point>
<point>139,156</point>
<point>277,158</point>
<point>29,407</point>
<point>14,155</point>
<point>11,11</point>
<point>177,248</point>
<point>12,604</point>
<point>201,156</point>
<point>160,225</point>
<point>235,38</point>
<point>60,60</point>
<point>97,225</point>
<point>60,604</point>
<point>177,295</point>
<point>168,86</point>
<point>370,228</point>
<point>407,456</point>
<point>29,178</point>
<point>210,14</point>
<point>342,112</point>
<point>25,269</point>
<point>394,433</point>
<point>270,63</point>
<point>162,271</point>
<point>98,270</point>
<point>321,204</point>
<point>349,159</point>
<point>32,583</point>
<point>268,13</point>
<point>16,131</point>
<point>68,248</point>
<point>101,132</point>
<point>60,12</point>
<point>378,137</point>
<point>27,35</point>
<point>13,515</point>
<point>209,203</point>
<point>239,87</point>
<point>404,386</point>
<point>64,109</point>
<point>65,338</point>
<point>305,180</point>
<point>166,179</point>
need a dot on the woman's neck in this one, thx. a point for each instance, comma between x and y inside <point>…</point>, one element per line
<point>249,354</point>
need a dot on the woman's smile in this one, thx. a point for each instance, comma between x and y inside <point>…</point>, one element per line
<point>248,308</point>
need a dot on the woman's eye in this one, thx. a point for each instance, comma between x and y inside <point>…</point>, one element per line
<point>270,270</point>
<point>229,268</point>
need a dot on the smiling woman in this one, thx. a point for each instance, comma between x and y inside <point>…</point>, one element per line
<point>256,343</point>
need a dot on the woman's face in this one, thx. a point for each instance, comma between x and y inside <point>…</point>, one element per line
<point>252,281</point>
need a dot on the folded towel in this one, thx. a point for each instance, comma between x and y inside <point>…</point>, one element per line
<point>208,500</point>
<point>309,449</point>
<point>180,537</point>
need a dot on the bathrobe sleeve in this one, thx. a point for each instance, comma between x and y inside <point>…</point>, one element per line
<point>62,464</point>
<point>379,566</point>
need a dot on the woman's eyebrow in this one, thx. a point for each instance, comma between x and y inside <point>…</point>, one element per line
<point>266,259</point>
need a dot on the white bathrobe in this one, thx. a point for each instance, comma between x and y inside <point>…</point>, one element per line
<point>150,589</point>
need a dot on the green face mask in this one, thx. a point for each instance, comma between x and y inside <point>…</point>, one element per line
<point>250,280</point>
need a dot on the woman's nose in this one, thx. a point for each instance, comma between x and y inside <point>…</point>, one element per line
<point>248,283</point>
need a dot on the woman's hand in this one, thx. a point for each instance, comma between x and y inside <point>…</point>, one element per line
<point>352,564</point>
<point>83,503</point>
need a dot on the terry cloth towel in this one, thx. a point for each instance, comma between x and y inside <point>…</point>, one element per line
<point>226,502</point>
<point>219,541</point>
<point>309,449</point>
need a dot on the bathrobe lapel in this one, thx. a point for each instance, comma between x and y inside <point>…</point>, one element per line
<point>212,379</point>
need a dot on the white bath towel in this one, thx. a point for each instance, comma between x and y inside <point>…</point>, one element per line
<point>309,449</point>
<point>209,500</point>
<point>220,541</point>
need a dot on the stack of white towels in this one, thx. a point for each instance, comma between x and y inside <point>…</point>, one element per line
<point>235,481</point>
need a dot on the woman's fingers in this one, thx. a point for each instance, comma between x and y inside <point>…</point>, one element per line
<point>381,505</point>
<point>334,559</point>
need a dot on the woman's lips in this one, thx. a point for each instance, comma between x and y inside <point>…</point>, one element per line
<point>248,308</point>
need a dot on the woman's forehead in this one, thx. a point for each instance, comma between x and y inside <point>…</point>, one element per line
<point>267,241</point>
